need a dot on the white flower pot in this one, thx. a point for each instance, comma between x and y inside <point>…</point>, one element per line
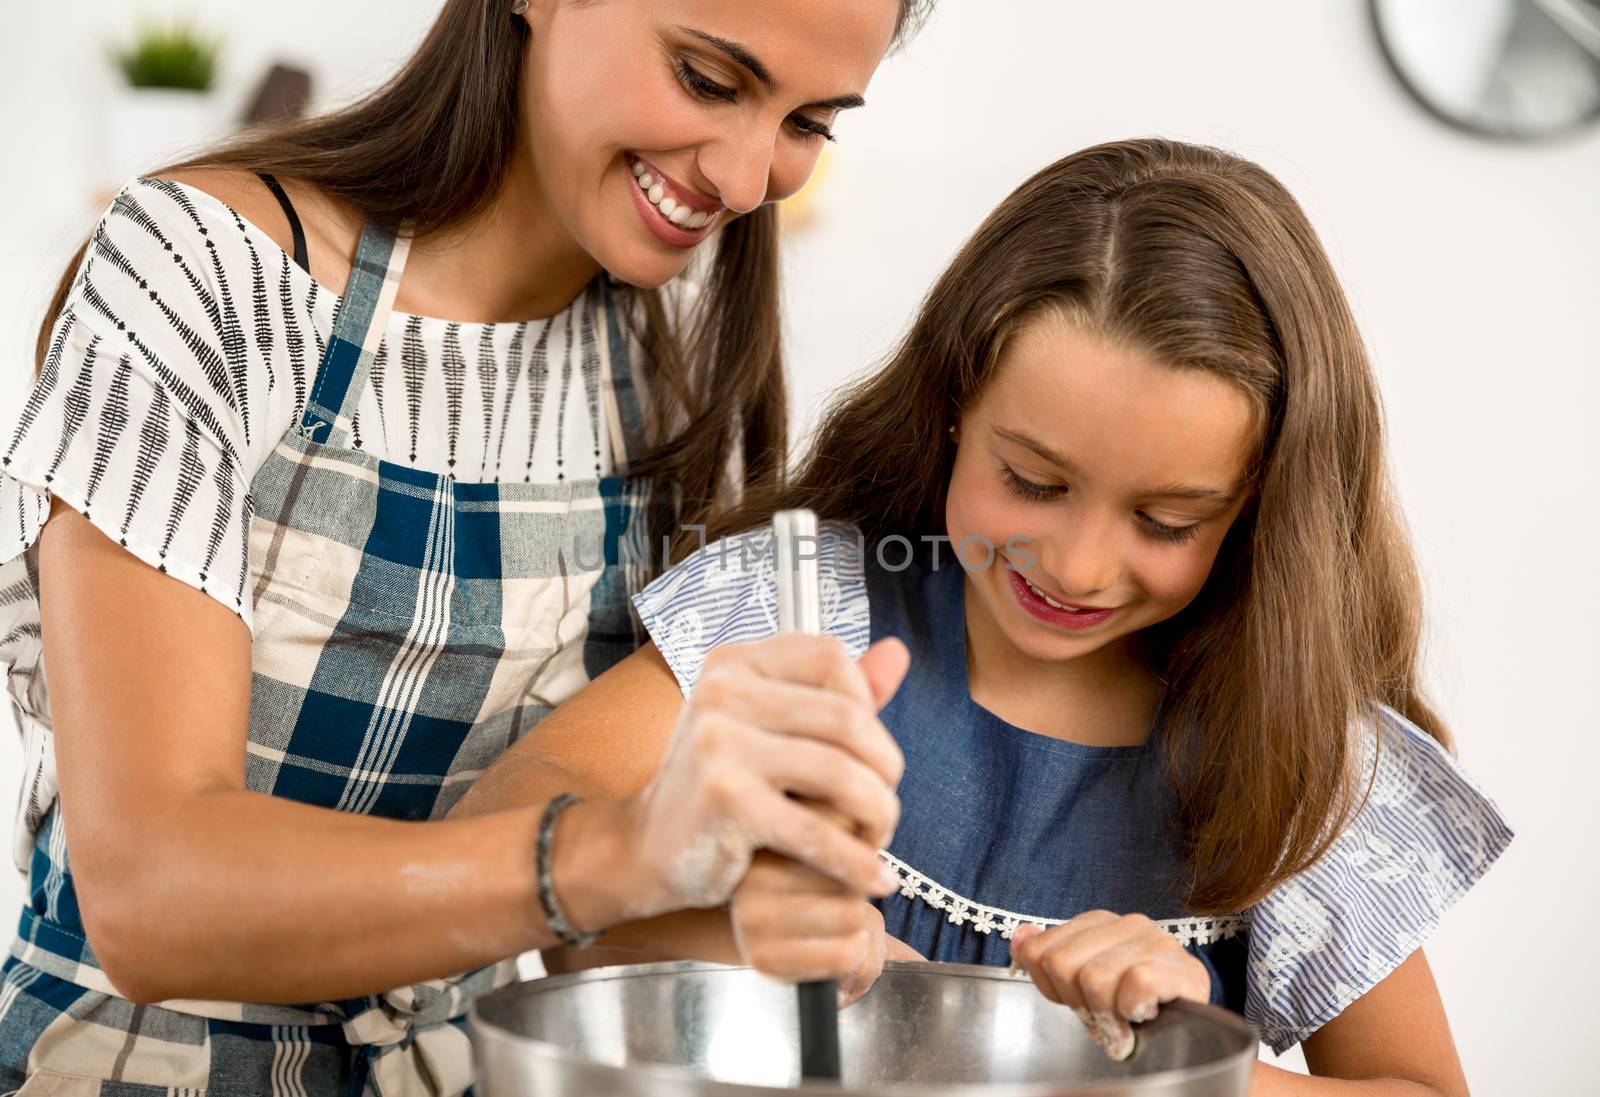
<point>148,128</point>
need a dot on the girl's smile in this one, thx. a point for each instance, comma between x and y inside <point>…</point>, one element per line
<point>1068,615</point>
<point>1115,474</point>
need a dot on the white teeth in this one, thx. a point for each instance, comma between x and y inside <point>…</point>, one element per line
<point>1049,599</point>
<point>673,210</point>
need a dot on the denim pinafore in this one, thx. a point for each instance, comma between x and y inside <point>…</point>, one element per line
<point>1002,826</point>
<point>408,629</point>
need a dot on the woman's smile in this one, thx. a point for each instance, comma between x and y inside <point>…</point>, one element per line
<point>675,214</point>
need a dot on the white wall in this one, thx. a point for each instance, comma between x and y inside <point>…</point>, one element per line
<point>1474,268</point>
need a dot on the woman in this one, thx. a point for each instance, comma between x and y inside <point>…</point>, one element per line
<point>398,541</point>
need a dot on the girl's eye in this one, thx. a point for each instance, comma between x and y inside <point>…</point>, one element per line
<point>1162,532</point>
<point>702,86</point>
<point>1027,489</point>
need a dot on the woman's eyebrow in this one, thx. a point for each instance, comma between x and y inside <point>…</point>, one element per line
<point>741,56</point>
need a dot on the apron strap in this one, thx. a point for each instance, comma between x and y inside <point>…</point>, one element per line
<point>358,328</point>
<point>621,387</point>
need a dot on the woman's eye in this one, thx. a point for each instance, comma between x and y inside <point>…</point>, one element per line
<point>811,128</point>
<point>1163,532</point>
<point>1027,489</point>
<point>702,86</point>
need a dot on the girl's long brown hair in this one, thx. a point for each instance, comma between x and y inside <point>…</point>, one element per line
<point>432,147</point>
<point>1312,612</point>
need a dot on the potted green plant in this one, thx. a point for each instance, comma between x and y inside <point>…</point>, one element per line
<point>164,102</point>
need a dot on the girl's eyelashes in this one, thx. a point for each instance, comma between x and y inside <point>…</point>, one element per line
<point>1158,530</point>
<point>1163,532</point>
<point>702,87</point>
<point>1027,489</point>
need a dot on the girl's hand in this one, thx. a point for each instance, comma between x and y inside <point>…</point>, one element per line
<point>792,714</point>
<point>1111,970</point>
<point>798,926</point>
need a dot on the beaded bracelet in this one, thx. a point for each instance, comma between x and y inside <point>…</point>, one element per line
<point>565,932</point>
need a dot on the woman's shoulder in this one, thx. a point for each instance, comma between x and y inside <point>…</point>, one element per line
<point>240,191</point>
<point>240,200</point>
<point>182,350</point>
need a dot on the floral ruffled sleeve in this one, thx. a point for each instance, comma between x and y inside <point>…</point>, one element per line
<point>1424,835</point>
<point>727,593</point>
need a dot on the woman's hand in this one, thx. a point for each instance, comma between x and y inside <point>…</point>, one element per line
<point>797,925</point>
<point>789,716</point>
<point>1111,970</point>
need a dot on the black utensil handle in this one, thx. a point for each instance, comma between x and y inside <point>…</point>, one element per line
<point>819,1031</point>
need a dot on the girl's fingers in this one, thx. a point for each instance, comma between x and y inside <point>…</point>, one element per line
<point>896,949</point>
<point>1149,983</point>
<point>1100,977</point>
<point>864,974</point>
<point>811,960</point>
<point>769,873</point>
<point>1109,1031</point>
<point>783,917</point>
<point>1072,933</point>
<point>1081,961</point>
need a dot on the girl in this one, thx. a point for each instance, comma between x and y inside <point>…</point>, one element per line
<point>1121,493</point>
<point>328,530</point>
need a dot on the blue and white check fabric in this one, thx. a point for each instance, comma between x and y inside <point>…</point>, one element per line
<point>1001,826</point>
<point>407,629</point>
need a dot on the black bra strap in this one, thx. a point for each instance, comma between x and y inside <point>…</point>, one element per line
<point>278,192</point>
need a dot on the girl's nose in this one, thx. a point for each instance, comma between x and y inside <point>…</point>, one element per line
<point>1084,562</point>
<point>740,169</point>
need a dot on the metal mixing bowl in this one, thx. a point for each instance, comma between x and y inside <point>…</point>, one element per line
<point>934,1030</point>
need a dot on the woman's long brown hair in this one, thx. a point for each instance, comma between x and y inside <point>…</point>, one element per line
<point>432,147</point>
<point>1312,612</point>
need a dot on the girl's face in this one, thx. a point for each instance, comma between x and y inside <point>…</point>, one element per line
<point>722,105</point>
<point>1112,476</point>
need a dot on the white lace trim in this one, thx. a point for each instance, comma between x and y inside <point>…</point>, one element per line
<point>961,911</point>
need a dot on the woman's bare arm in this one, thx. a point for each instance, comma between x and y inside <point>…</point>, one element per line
<point>194,887</point>
<point>606,741</point>
<point>185,876</point>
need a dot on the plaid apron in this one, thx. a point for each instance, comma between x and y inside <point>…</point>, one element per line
<point>408,629</point>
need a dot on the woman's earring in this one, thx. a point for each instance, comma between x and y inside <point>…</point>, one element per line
<point>519,7</point>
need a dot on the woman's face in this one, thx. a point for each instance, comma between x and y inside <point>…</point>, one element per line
<point>1113,477</point>
<point>720,105</point>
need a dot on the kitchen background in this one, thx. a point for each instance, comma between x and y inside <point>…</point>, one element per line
<point>1474,265</point>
